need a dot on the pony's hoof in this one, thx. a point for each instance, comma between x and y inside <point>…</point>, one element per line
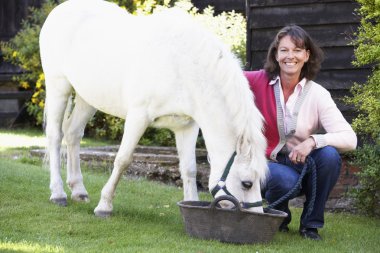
<point>59,201</point>
<point>81,198</point>
<point>102,214</point>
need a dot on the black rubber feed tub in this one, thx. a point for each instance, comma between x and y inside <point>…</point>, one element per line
<point>206,220</point>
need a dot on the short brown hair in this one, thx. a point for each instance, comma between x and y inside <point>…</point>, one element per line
<point>303,40</point>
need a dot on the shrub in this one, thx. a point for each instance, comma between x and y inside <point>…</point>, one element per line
<point>143,6</point>
<point>367,194</point>
<point>230,27</point>
<point>23,51</point>
<point>366,99</point>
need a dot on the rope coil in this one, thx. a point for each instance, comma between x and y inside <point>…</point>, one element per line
<point>308,167</point>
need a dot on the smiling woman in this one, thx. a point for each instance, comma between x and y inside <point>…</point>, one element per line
<point>302,121</point>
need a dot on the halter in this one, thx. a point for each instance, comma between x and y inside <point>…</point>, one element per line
<point>221,185</point>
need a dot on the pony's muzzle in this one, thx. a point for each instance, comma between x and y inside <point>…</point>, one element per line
<point>247,184</point>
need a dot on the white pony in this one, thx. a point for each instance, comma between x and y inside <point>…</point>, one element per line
<point>162,70</point>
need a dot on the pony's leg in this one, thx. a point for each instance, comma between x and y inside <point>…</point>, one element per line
<point>73,130</point>
<point>186,139</point>
<point>135,124</point>
<point>57,92</point>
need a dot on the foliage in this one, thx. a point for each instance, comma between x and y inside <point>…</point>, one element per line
<point>23,51</point>
<point>157,137</point>
<point>229,26</point>
<point>105,126</point>
<point>144,6</point>
<point>367,194</point>
<point>366,99</point>
<point>109,127</point>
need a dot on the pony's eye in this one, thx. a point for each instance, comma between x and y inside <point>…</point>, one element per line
<point>247,184</point>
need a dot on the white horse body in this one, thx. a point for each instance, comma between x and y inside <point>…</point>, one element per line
<point>162,70</point>
<point>96,53</point>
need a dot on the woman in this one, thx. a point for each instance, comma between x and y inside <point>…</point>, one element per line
<point>301,119</point>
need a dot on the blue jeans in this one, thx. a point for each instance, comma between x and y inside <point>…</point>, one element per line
<point>284,175</point>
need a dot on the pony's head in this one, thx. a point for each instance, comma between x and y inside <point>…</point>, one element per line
<point>242,177</point>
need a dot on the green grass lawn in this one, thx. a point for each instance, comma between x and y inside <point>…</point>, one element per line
<point>145,219</point>
<point>20,138</point>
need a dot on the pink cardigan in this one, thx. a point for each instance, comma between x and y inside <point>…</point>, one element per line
<point>315,112</point>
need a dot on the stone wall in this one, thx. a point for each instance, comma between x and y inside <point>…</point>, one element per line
<point>347,179</point>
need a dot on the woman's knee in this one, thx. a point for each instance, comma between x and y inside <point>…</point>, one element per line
<point>330,153</point>
<point>328,160</point>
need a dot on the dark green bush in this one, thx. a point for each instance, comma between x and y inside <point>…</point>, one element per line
<point>367,194</point>
<point>366,99</point>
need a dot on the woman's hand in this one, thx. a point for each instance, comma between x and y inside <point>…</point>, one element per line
<point>302,150</point>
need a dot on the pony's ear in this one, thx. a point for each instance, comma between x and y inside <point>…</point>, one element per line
<point>243,147</point>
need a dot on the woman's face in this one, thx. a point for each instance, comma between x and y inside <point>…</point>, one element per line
<point>290,57</point>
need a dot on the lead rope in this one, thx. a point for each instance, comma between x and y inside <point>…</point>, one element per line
<point>308,167</point>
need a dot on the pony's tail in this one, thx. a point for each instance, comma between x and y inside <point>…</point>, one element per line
<point>46,158</point>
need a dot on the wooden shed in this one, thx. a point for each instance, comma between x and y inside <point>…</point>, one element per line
<point>11,98</point>
<point>332,23</point>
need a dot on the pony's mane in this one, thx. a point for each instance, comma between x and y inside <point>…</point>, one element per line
<point>239,101</point>
<point>222,67</point>
<point>247,119</point>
